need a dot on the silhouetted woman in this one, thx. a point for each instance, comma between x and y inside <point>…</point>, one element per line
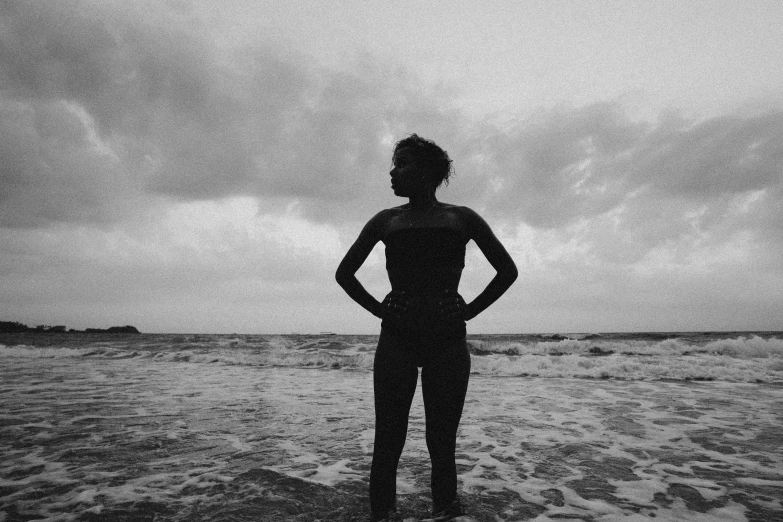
<point>423,318</point>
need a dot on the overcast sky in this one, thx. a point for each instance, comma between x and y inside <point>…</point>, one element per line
<point>202,166</point>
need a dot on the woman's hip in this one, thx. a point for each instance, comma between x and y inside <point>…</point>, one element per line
<point>422,347</point>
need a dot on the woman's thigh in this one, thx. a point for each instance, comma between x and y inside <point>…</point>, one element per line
<point>394,377</point>
<point>444,380</point>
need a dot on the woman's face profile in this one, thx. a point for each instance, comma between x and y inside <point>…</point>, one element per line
<point>406,177</point>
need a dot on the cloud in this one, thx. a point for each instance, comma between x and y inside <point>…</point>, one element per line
<point>175,114</point>
<point>559,166</point>
<point>626,188</point>
<point>571,164</point>
<point>719,156</point>
<point>56,169</point>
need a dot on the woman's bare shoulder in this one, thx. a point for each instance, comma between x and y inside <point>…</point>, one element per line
<point>467,220</point>
<point>388,214</point>
<point>463,213</point>
<point>381,222</point>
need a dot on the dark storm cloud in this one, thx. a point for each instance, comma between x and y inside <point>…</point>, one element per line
<point>52,168</point>
<point>566,165</point>
<point>558,167</point>
<point>650,183</point>
<point>723,155</point>
<point>174,114</point>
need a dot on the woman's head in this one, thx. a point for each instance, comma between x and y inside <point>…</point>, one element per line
<point>433,161</point>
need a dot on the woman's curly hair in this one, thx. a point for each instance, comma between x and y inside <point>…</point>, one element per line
<point>433,160</point>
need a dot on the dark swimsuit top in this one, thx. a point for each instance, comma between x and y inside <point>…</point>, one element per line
<point>424,262</point>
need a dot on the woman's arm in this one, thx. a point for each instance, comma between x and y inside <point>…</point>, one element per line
<point>498,257</point>
<point>353,260</point>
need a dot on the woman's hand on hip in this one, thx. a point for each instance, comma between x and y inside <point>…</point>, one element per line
<point>395,304</point>
<point>453,306</point>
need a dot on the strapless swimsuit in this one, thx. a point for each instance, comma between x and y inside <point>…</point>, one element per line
<point>424,263</point>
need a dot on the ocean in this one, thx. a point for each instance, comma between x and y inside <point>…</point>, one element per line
<point>605,427</point>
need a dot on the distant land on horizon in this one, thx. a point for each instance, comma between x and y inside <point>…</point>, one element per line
<point>16,327</point>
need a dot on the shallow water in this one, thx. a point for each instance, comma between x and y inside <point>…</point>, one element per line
<point>156,438</point>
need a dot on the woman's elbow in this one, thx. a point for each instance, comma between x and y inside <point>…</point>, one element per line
<point>511,273</point>
<point>342,276</point>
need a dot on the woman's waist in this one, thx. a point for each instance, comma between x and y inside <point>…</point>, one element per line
<point>425,282</point>
<point>428,290</point>
<point>425,295</point>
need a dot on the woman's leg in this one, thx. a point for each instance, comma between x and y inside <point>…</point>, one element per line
<point>444,380</point>
<point>394,382</point>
